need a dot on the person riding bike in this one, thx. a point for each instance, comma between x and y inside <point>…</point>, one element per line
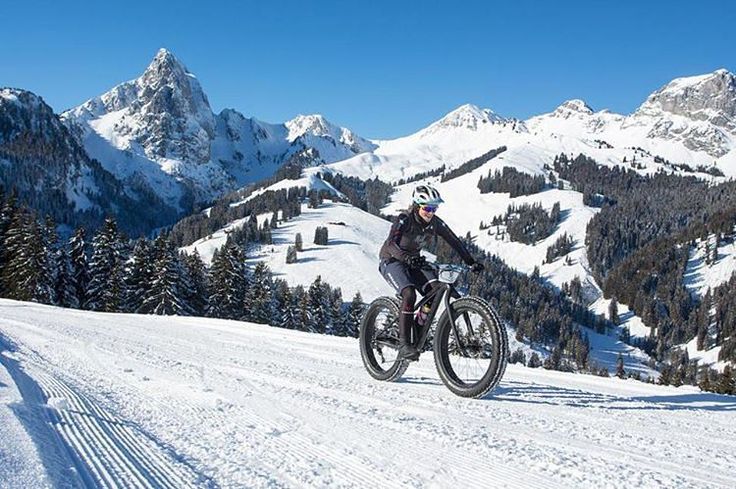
<point>402,265</point>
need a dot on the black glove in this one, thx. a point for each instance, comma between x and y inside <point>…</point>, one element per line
<point>477,267</point>
<point>416,261</point>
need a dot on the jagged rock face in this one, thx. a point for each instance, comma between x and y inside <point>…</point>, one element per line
<point>706,105</point>
<point>709,98</point>
<point>170,117</point>
<point>164,117</point>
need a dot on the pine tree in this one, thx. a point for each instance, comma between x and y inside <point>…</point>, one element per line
<point>305,314</point>
<point>298,242</point>
<point>318,307</point>
<point>139,274</point>
<point>518,356</point>
<point>355,312</point>
<point>195,283</point>
<point>286,313</point>
<point>49,242</point>
<point>63,287</point>
<point>164,295</point>
<point>228,283</point>
<point>291,254</point>
<point>79,276</point>
<point>26,260</point>
<point>613,311</point>
<point>534,361</point>
<point>260,295</point>
<point>620,372</point>
<point>337,323</point>
<point>106,270</point>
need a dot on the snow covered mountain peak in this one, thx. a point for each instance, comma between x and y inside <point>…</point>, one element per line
<point>311,128</point>
<point>699,111</point>
<point>710,97</point>
<point>164,112</point>
<point>572,108</point>
<point>468,116</point>
<point>314,124</point>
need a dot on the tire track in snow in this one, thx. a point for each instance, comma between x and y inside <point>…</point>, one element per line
<point>407,436</point>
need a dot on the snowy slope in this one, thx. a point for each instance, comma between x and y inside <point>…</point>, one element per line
<point>185,402</point>
<point>350,259</point>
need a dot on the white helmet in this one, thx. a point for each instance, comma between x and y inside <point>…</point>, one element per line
<point>424,194</point>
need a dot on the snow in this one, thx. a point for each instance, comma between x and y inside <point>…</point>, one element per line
<point>350,259</point>
<point>185,402</point>
<point>8,96</point>
<point>627,318</point>
<point>20,460</point>
<point>704,357</point>
<point>700,276</point>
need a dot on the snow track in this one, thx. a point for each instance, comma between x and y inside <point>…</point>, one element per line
<point>104,451</point>
<point>140,401</point>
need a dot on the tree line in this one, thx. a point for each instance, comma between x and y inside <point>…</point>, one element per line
<point>112,273</point>
<point>509,180</point>
<point>473,164</point>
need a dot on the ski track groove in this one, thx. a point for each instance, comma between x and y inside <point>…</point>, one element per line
<point>140,452</point>
<point>306,448</point>
<point>115,455</point>
<point>404,433</point>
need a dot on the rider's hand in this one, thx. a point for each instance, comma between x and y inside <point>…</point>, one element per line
<point>477,267</point>
<point>416,261</point>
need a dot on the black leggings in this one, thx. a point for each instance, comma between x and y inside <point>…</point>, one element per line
<point>408,300</point>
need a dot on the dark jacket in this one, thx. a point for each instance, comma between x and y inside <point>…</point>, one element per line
<point>410,233</point>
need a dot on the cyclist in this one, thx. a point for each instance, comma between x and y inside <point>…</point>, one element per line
<point>402,265</point>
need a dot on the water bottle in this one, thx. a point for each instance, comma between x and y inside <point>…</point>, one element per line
<point>422,314</point>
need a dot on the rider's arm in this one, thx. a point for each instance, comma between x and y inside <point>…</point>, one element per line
<point>451,238</point>
<point>394,238</point>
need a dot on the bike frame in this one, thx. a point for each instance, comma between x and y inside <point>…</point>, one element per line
<point>442,294</point>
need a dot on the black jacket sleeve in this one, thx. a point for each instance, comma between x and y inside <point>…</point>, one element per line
<point>394,238</point>
<point>444,231</point>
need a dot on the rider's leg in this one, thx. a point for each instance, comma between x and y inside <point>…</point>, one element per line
<point>406,323</point>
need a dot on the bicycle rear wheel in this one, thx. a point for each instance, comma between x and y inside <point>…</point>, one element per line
<point>473,366</point>
<point>379,340</point>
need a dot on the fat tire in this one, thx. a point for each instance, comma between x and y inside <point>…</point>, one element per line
<point>366,334</point>
<point>500,349</point>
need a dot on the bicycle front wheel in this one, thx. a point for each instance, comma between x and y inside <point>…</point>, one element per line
<point>472,362</point>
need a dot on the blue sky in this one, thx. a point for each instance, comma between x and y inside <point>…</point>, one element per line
<point>384,69</point>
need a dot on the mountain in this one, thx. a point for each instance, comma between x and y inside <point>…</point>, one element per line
<point>53,174</point>
<point>159,131</point>
<point>690,120</point>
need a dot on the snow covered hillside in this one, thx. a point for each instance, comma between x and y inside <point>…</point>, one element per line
<point>350,259</point>
<point>92,399</point>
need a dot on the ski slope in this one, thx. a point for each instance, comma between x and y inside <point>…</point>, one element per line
<point>105,400</point>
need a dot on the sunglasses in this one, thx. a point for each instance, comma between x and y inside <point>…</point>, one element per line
<point>428,208</point>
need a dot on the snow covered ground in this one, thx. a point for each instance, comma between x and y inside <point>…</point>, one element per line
<point>701,276</point>
<point>93,399</point>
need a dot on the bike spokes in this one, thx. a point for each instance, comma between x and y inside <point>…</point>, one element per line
<point>470,359</point>
<point>385,341</point>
